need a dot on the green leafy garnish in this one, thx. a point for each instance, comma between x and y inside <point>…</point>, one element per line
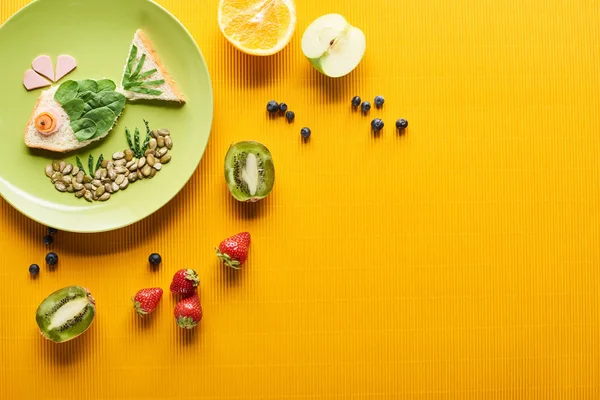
<point>136,141</point>
<point>74,109</point>
<point>148,136</point>
<point>91,169</point>
<point>79,164</point>
<point>99,162</point>
<point>84,129</point>
<point>129,142</point>
<point>106,85</point>
<point>92,106</point>
<point>66,92</point>
<point>144,90</point>
<point>134,79</point>
<point>91,165</point>
<point>87,85</point>
<point>103,117</point>
<point>134,144</point>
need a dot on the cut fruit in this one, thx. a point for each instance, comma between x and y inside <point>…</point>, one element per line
<point>66,314</point>
<point>258,27</point>
<point>333,46</point>
<point>249,171</point>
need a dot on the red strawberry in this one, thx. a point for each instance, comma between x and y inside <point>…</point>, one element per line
<point>146,300</point>
<point>185,282</point>
<point>188,312</point>
<point>234,250</point>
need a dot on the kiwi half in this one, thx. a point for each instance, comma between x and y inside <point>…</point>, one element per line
<point>249,171</point>
<point>66,313</point>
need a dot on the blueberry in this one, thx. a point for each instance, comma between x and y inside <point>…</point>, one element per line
<point>401,123</point>
<point>48,239</point>
<point>377,124</point>
<point>379,100</point>
<point>272,106</point>
<point>356,101</point>
<point>290,115</point>
<point>305,132</point>
<point>283,107</point>
<point>52,231</point>
<point>365,106</point>
<point>51,259</point>
<point>34,269</point>
<point>155,259</point>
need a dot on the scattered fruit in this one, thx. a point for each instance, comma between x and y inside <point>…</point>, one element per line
<point>51,258</point>
<point>290,115</point>
<point>356,101</point>
<point>379,100</point>
<point>283,107</point>
<point>233,251</point>
<point>66,313</point>
<point>333,46</point>
<point>185,282</point>
<point>52,231</point>
<point>401,123</point>
<point>305,132</point>
<point>146,300</point>
<point>365,106</point>
<point>257,27</point>
<point>188,312</point>
<point>272,106</point>
<point>249,171</point>
<point>48,239</point>
<point>155,259</point>
<point>34,269</point>
<point>377,124</point>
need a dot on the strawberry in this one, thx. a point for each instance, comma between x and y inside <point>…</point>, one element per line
<point>185,282</point>
<point>188,312</point>
<point>234,250</point>
<point>146,300</point>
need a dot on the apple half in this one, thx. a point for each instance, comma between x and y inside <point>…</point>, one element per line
<point>333,46</point>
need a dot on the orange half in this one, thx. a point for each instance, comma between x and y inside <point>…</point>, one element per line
<point>258,27</point>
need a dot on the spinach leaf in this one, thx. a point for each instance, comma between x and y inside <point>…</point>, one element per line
<point>66,92</point>
<point>105,85</point>
<point>88,100</point>
<point>84,129</point>
<point>88,85</point>
<point>92,106</point>
<point>113,100</point>
<point>104,118</point>
<point>74,109</point>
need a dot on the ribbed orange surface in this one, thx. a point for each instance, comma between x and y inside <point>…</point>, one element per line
<point>457,261</point>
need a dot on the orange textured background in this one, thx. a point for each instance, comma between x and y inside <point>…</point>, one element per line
<point>459,260</point>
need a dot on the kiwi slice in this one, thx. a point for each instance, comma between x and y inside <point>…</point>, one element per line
<point>66,313</point>
<point>249,171</point>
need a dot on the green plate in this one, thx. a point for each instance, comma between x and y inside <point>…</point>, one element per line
<point>98,34</point>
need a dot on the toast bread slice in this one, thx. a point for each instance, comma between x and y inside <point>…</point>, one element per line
<point>170,90</point>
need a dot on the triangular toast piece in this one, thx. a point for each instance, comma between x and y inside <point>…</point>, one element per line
<point>145,77</point>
